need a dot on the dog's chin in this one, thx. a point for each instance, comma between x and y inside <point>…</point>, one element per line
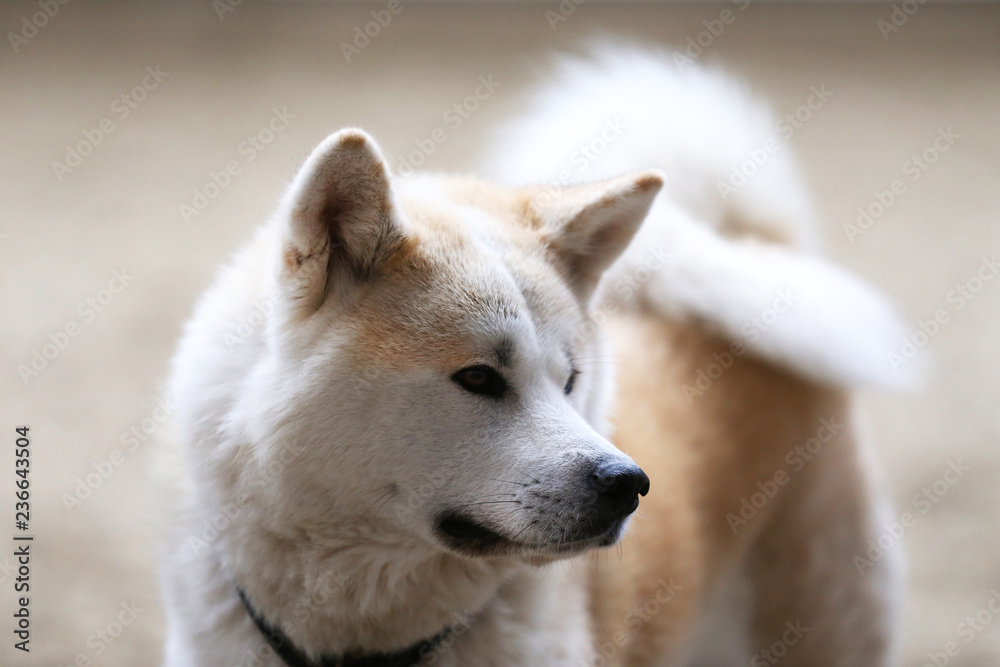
<point>471,538</point>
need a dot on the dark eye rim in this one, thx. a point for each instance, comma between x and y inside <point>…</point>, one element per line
<point>571,382</point>
<point>491,383</point>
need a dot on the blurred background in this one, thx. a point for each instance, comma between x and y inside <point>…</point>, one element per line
<point>143,142</point>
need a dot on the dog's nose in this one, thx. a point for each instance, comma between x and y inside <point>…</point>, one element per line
<point>618,484</point>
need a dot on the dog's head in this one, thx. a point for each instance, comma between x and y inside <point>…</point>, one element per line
<point>430,371</point>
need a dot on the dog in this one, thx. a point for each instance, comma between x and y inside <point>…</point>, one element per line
<point>594,411</point>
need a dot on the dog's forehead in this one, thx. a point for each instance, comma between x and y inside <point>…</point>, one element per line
<point>475,276</point>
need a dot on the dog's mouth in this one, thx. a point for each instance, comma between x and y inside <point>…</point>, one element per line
<point>472,538</point>
<point>467,531</point>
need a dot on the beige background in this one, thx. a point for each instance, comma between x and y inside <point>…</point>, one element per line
<point>120,209</point>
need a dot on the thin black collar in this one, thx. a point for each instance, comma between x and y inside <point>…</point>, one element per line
<point>294,657</point>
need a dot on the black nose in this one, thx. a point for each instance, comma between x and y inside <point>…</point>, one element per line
<point>619,485</point>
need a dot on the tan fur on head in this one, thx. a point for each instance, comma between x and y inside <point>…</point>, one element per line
<point>420,428</point>
<point>343,219</point>
<point>342,222</point>
<point>588,226</point>
<point>334,416</point>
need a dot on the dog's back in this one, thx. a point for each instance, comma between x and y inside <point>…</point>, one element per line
<point>417,424</point>
<point>736,346</point>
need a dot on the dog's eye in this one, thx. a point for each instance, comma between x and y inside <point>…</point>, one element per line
<point>570,382</point>
<point>481,380</point>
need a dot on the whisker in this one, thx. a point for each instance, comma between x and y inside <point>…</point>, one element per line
<point>518,533</point>
<point>383,499</point>
<point>505,481</point>
<point>489,502</point>
<point>536,481</point>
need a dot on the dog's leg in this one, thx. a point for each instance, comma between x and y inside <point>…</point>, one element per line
<point>819,600</point>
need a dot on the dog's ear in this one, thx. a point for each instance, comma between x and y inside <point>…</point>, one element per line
<point>588,226</point>
<point>340,222</point>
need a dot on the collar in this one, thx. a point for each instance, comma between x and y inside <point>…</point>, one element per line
<point>294,657</point>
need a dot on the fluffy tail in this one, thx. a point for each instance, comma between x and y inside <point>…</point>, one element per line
<point>730,239</point>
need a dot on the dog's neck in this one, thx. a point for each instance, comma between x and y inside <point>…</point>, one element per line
<point>358,594</point>
<point>292,656</point>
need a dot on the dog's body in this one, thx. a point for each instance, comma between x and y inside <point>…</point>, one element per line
<point>414,437</point>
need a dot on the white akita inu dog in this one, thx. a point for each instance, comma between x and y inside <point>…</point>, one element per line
<point>419,453</point>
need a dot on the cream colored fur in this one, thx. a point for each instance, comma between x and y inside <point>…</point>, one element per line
<point>322,448</point>
<point>697,126</point>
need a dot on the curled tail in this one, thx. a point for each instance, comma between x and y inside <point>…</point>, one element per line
<point>732,236</point>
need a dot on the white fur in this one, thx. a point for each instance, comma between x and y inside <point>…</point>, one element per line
<point>327,444</point>
<point>697,125</point>
<point>324,445</point>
